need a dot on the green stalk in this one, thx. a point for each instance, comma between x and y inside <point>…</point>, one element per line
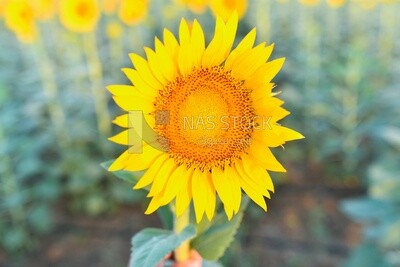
<point>9,184</point>
<point>183,251</point>
<point>263,20</point>
<point>96,80</point>
<point>50,90</point>
<point>387,33</point>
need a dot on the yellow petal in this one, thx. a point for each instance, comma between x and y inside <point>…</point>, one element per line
<point>121,138</point>
<point>168,65</point>
<point>227,185</point>
<point>142,161</point>
<point>197,43</point>
<point>264,157</point>
<point>154,204</point>
<point>256,184</point>
<point>161,177</point>
<point>140,84</point>
<point>252,60</point>
<point>123,90</point>
<point>244,45</point>
<point>184,195</point>
<point>135,104</point>
<point>122,121</point>
<point>174,184</point>
<point>199,190</point>
<point>155,64</point>
<point>252,193</point>
<point>272,68</point>
<point>148,177</point>
<point>212,55</point>
<point>257,173</point>
<point>144,71</point>
<point>119,163</point>
<point>211,198</point>
<point>289,134</point>
<point>171,44</point>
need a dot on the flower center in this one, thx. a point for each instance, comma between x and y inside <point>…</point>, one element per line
<point>210,118</point>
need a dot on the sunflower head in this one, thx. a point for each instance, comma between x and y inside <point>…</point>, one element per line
<point>19,17</point>
<point>44,9</point>
<point>110,6</point>
<point>79,15</point>
<point>197,6</point>
<point>336,3</point>
<point>209,120</point>
<point>224,8</point>
<point>309,2</point>
<point>132,12</point>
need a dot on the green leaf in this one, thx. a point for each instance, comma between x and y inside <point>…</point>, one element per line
<point>366,209</point>
<point>215,237</point>
<point>130,177</point>
<point>151,245</point>
<point>367,255</point>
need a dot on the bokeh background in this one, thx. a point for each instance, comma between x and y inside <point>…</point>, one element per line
<point>339,203</point>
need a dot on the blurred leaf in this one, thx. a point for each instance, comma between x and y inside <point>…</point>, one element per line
<point>14,238</point>
<point>151,245</point>
<point>216,236</point>
<point>366,209</point>
<point>366,255</point>
<point>130,177</point>
<point>40,218</point>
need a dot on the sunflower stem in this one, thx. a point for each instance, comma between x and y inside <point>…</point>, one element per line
<point>96,80</point>
<point>50,90</point>
<point>182,252</point>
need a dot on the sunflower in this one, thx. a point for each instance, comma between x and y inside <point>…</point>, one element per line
<point>197,6</point>
<point>132,12</point>
<point>309,2</point>
<point>336,3</point>
<point>110,6</point>
<point>224,8</point>
<point>214,118</point>
<point>79,15</point>
<point>44,9</point>
<point>19,17</point>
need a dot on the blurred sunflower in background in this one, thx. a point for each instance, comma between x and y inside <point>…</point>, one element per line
<point>44,9</point>
<point>20,18</point>
<point>336,3</point>
<point>196,6</point>
<point>110,6</point>
<point>224,8</point>
<point>189,80</point>
<point>132,12</point>
<point>79,15</point>
<point>309,2</point>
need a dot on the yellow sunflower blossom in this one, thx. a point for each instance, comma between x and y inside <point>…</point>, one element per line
<point>19,18</point>
<point>336,3</point>
<point>225,8</point>
<point>367,4</point>
<point>309,2</point>
<point>113,30</point>
<point>44,9</point>
<point>132,12</point>
<point>197,6</point>
<point>110,6</point>
<point>79,15</point>
<point>212,117</point>
<point>2,7</point>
